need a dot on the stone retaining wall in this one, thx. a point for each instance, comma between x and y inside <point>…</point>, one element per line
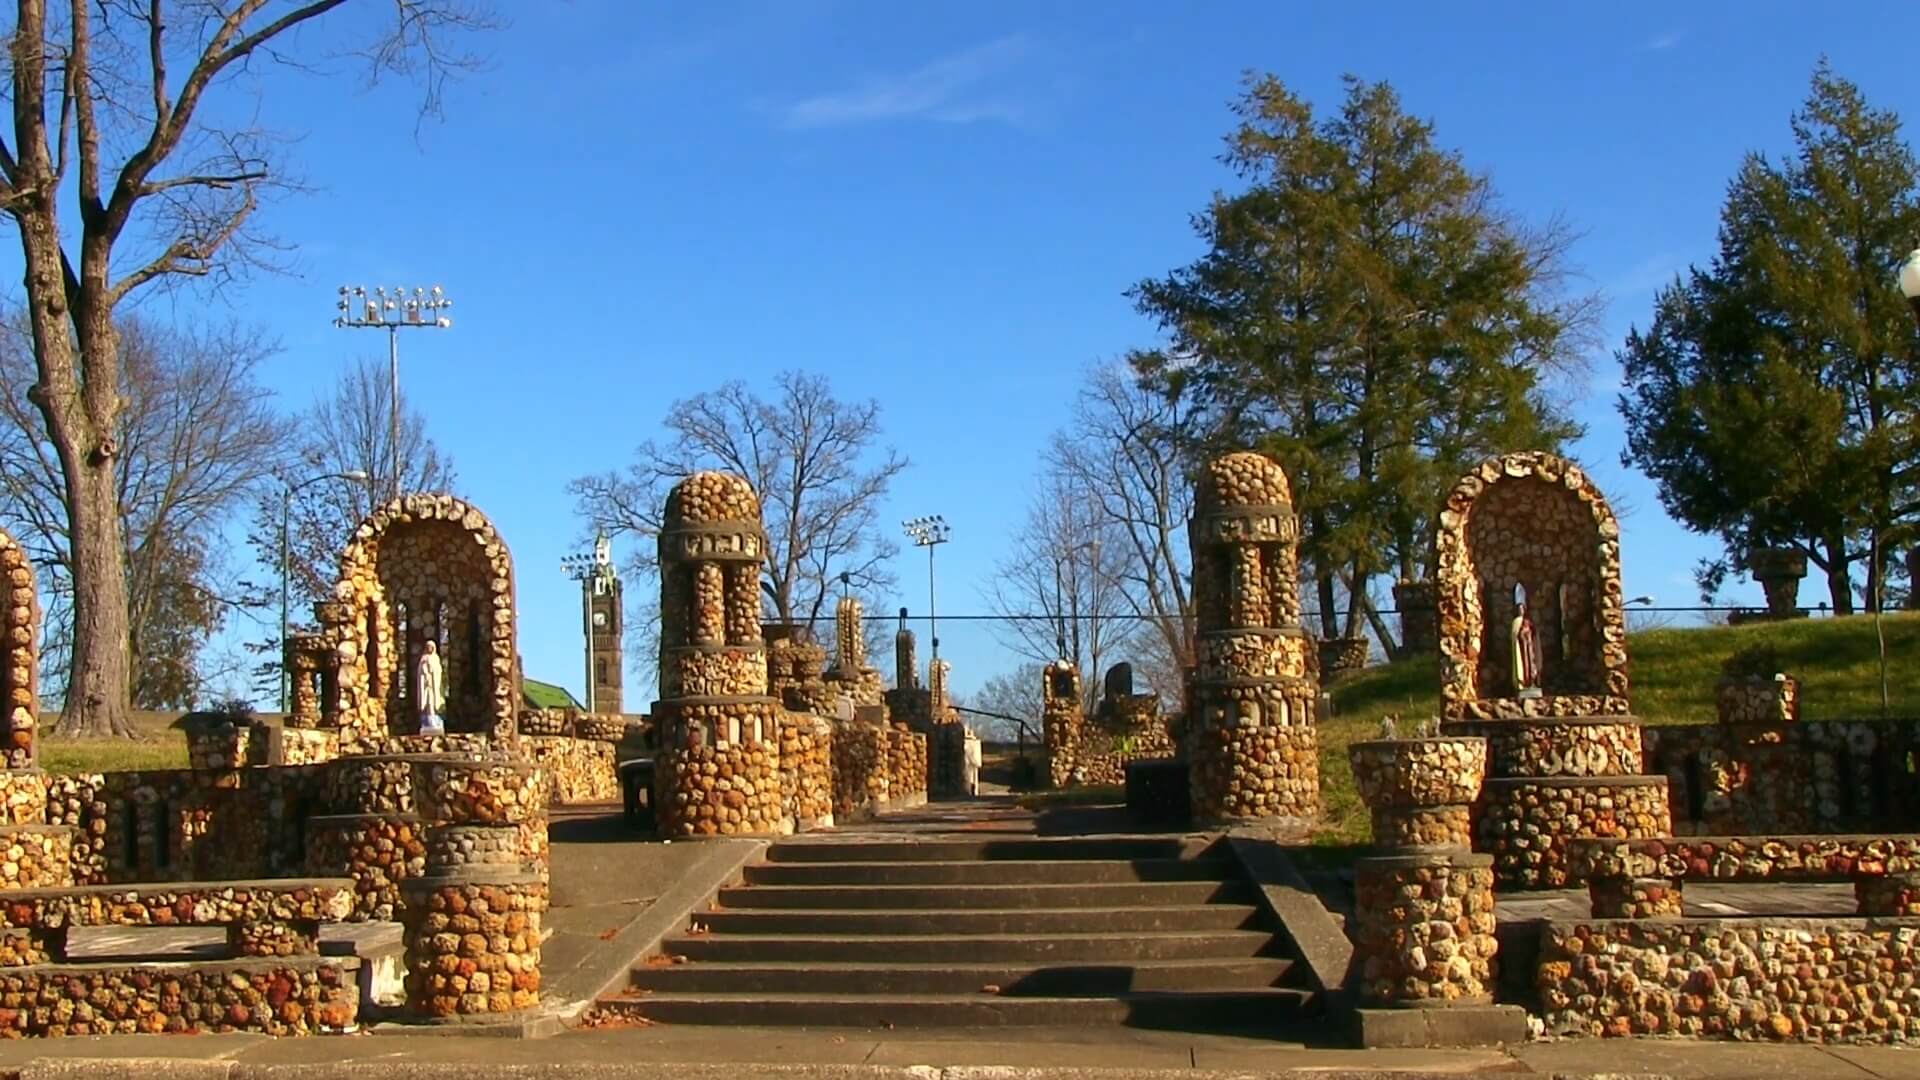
<point>581,770</point>
<point>1814,776</point>
<point>1814,980</point>
<point>1525,823</point>
<point>298,996</point>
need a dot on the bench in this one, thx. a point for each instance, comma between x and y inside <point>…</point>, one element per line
<point>1637,879</point>
<point>275,918</point>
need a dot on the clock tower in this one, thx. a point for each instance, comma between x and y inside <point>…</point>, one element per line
<point>603,629</point>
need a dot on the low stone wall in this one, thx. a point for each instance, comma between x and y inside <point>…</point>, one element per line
<point>1525,822</point>
<point>174,825</point>
<point>580,770</point>
<point>906,767</point>
<point>1101,758</point>
<point>1814,776</point>
<point>806,770</point>
<point>1817,980</point>
<point>860,775</point>
<point>298,996</point>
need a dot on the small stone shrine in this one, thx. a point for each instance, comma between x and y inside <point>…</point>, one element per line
<point>1533,646</point>
<point>1252,749</point>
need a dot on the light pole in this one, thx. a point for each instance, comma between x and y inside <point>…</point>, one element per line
<point>593,571</point>
<point>929,532</point>
<point>286,559</point>
<point>393,312</point>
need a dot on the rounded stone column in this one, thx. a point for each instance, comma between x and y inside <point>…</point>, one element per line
<point>1252,749</point>
<point>718,769</point>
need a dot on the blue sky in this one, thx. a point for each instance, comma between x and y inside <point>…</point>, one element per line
<point>940,207</point>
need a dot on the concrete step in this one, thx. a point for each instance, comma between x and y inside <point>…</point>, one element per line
<point>972,850</point>
<point>1013,948</point>
<point>1001,897</point>
<point>951,921</point>
<point>1068,980</point>
<point>1001,872</point>
<point>1241,1010</point>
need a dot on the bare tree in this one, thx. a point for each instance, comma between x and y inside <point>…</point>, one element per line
<point>197,437</point>
<point>107,97</point>
<point>345,432</point>
<point>1127,448</point>
<point>1010,693</point>
<point>1069,563</point>
<point>814,459</point>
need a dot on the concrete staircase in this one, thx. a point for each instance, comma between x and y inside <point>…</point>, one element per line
<point>957,932</point>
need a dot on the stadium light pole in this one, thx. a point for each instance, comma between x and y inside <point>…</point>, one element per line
<point>929,532</point>
<point>286,559</point>
<point>392,311</point>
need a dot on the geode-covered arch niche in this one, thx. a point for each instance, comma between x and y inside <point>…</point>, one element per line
<point>20,660</point>
<point>1530,526</point>
<point>421,566</point>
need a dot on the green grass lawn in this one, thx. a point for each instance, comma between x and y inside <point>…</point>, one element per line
<point>1674,672</point>
<point>155,746</point>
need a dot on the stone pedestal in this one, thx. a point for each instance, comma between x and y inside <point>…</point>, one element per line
<point>1758,700</point>
<point>471,921</point>
<point>1779,572</point>
<point>1338,656</point>
<point>1425,930</point>
<point>1423,910</point>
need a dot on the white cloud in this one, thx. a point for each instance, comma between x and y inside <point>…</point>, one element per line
<point>1663,42</point>
<point>944,90</point>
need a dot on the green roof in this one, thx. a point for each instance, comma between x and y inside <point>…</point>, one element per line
<point>544,695</point>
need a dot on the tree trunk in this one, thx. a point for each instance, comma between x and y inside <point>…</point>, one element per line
<point>1839,577</point>
<point>97,691</point>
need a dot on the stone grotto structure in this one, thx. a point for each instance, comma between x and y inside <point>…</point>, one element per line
<point>1563,755</point>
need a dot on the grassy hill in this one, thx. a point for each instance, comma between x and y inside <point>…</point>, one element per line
<point>1674,672</point>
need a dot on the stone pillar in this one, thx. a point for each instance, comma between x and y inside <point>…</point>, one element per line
<point>945,738</point>
<point>906,665</point>
<point>1419,617</point>
<point>718,768</point>
<point>471,922</point>
<point>38,855</point>
<point>1060,719</point>
<point>1251,745</point>
<point>1423,910</point>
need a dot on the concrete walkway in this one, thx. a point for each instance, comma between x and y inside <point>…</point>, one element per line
<point>924,1055</point>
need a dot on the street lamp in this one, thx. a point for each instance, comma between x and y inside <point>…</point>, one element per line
<point>594,571</point>
<point>392,311</point>
<point>1910,281</point>
<point>286,512</point>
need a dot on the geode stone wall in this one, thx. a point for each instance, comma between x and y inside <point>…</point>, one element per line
<point>906,767</point>
<point>37,850</point>
<point>1564,755</point>
<point>860,770</point>
<point>1815,980</point>
<point>1251,743</point>
<point>174,825</point>
<point>806,770</point>
<point>1814,776</point>
<point>423,566</point>
<point>580,770</point>
<point>1125,727</point>
<point>718,770</point>
<point>291,996</point>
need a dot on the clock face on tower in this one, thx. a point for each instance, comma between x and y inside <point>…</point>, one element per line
<point>599,618</point>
